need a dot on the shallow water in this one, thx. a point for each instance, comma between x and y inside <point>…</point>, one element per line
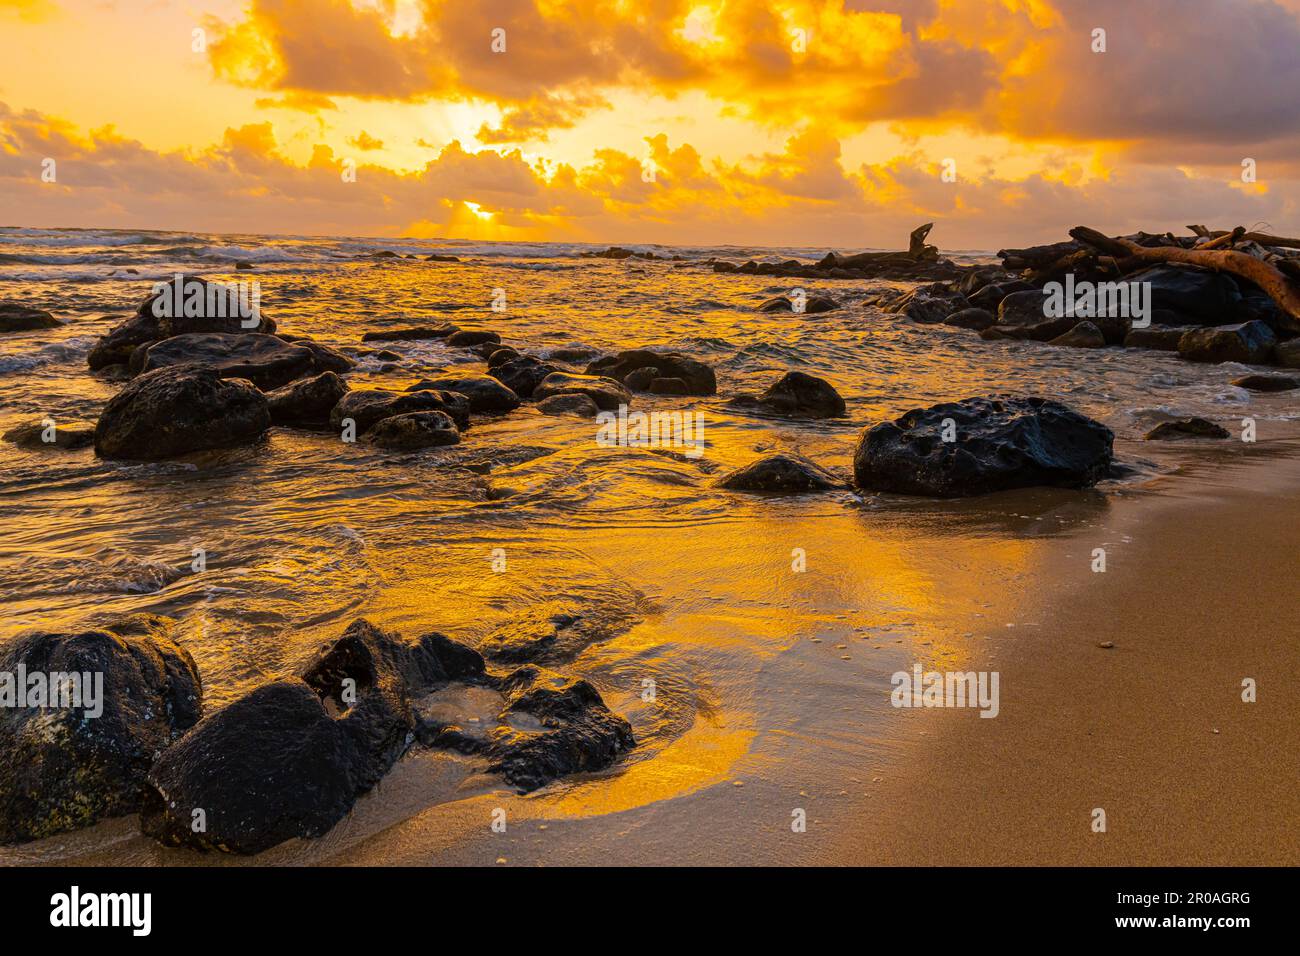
<point>750,659</point>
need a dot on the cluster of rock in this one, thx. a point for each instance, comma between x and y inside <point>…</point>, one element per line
<point>289,758</point>
<point>1203,314</point>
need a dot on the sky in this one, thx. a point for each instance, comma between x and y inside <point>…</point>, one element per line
<point>839,124</point>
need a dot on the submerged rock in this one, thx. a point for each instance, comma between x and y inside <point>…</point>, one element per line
<point>409,334</point>
<point>175,410</point>
<point>995,444</point>
<point>1249,343</point>
<point>265,360</point>
<point>572,404</point>
<point>1186,428</point>
<point>19,318</point>
<point>781,473</point>
<point>308,401</point>
<point>485,393</point>
<point>1085,335</point>
<point>813,304</point>
<point>522,374</point>
<point>62,767</point>
<point>699,378</point>
<point>1267,383</point>
<point>797,394</point>
<point>35,436</point>
<point>605,392</point>
<point>928,304</point>
<point>467,337</point>
<point>370,406</point>
<point>413,430</point>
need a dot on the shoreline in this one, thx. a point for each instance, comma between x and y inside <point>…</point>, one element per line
<point>1153,730</point>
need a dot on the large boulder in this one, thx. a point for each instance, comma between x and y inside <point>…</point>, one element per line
<point>65,767</point>
<point>485,393</point>
<point>1197,296</point>
<point>1022,315</point>
<point>1250,343</point>
<point>605,392</point>
<point>149,324</point>
<point>981,445</point>
<point>699,378</point>
<point>307,401</point>
<point>522,373</point>
<point>783,474</point>
<point>371,406</point>
<point>19,318</point>
<point>265,360</point>
<point>412,430</point>
<point>175,410</point>
<point>290,758</point>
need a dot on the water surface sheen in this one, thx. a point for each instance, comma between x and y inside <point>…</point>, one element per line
<point>758,668</point>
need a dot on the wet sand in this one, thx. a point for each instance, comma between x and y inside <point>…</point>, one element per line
<point>1153,730</point>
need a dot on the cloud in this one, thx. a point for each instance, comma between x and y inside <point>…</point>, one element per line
<point>365,141</point>
<point>801,195</point>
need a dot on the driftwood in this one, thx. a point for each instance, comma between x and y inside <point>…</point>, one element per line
<point>917,251</point>
<point>1263,238</point>
<point>1276,284</point>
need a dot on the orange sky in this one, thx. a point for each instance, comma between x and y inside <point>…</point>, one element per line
<point>776,122</point>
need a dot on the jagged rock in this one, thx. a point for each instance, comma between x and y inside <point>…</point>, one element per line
<point>180,409</point>
<point>996,444</point>
<point>1085,335</point>
<point>369,406</point>
<point>1267,383</point>
<point>414,430</point>
<point>577,732</point>
<point>797,394</point>
<point>973,318</point>
<point>485,393</point>
<point>1249,343</point>
<point>580,405</point>
<point>290,758</point>
<point>605,392</point>
<point>19,318</point>
<point>928,304</point>
<point>308,401</point>
<point>410,334</point>
<point>1186,428</point>
<point>265,360</point>
<point>698,377</point>
<point>523,374</point>
<point>1162,338</point>
<point>32,435</point>
<point>781,473</point>
<point>62,767</point>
